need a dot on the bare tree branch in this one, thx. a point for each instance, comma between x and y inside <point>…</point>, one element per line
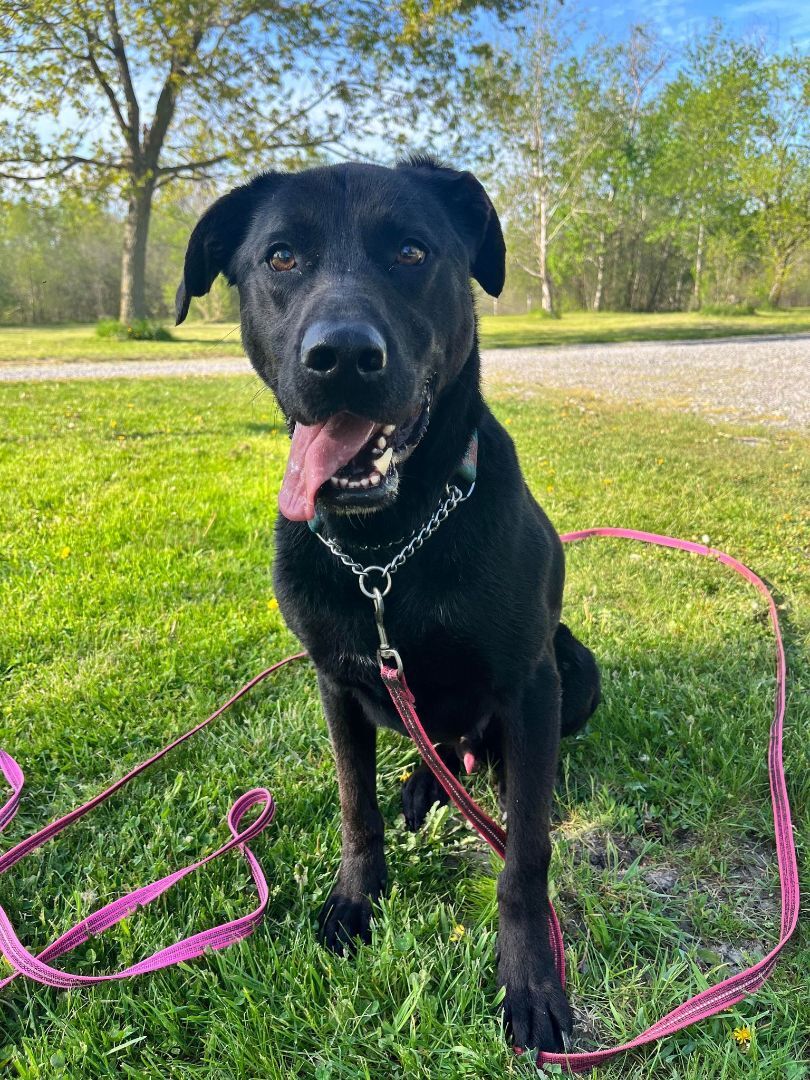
<point>120,54</point>
<point>108,91</point>
<point>65,163</point>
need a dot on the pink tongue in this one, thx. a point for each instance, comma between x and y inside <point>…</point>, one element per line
<point>316,453</point>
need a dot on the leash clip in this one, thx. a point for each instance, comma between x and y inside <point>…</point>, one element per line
<point>386,651</point>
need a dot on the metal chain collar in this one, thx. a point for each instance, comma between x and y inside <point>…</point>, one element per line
<point>455,496</point>
<point>386,651</point>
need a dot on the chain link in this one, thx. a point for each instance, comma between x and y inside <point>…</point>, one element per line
<point>455,496</point>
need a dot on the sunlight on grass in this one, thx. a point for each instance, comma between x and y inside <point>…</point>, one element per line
<point>197,339</point>
<point>578,327</point>
<point>136,591</point>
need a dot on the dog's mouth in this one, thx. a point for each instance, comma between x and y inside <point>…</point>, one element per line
<point>348,462</point>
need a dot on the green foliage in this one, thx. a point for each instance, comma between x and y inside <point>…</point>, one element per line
<point>624,182</point>
<point>742,307</point>
<point>59,260</point>
<point>627,185</point>
<point>136,330</point>
<point>136,591</point>
<point>125,99</point>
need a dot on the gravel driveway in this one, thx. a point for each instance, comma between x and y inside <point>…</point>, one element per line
<point>744,378</point>
<point>763,378</point>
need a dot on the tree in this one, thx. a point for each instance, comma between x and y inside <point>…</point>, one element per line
<point>617,197</point>
<point>546,112</point>
<point>774,169</point>
<point>127,97</point>
<point>57,260</point>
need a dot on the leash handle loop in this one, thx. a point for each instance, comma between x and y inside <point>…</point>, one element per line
<point>36,967</point>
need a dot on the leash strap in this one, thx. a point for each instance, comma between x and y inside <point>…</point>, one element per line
<point>25,962</point>
<point>723,994</point>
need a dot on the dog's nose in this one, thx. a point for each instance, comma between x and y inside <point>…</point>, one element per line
<point>343,348</point>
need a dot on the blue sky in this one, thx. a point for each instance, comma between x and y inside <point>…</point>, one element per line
<point>784,22</point>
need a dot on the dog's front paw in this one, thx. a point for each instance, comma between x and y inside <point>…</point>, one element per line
<point>419,792</point>
<point>344,921</point>
<point>536,1012</point>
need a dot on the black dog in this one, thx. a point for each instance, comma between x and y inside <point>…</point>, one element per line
<point>356,309</point>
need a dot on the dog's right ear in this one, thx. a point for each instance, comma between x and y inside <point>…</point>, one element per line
<point>214,241</point>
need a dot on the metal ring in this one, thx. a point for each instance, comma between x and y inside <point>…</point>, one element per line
<point>384,653</point>
<point>386,576</point>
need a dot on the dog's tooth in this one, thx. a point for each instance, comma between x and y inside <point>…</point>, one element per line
<point>333,480</point>
<point>382,463</point>
<point>375,479</point>
<point>344,482</point>
<point>365,482</point>
<point>382,442</point>
<point>375,453</point>
<point>389,429</point>
<point>354,483</point>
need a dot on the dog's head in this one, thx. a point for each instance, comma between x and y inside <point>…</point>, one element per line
<point>356,310</point>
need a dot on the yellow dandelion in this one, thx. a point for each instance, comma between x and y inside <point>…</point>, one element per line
<point>272,603</point>
<point>549,488</point>
<point>404,776</point>
<point>458,932</point>
<point>113,423</point>
<point>64,553</point>
<point>742,1037</point>
<point>508,421</point>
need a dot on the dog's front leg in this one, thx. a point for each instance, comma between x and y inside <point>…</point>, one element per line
<point>346,915</point>
<point>535,1008</point>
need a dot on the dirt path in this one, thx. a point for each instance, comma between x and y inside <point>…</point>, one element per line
<point>763,378</point>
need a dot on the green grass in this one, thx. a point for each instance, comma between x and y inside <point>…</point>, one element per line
<point>21,343</point>
<point>135,590</point>
<point>504,331</point>
<point>583,327</point>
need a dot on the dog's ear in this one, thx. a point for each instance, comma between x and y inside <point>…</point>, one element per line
<point>474,217</point>
<point>214,241</point>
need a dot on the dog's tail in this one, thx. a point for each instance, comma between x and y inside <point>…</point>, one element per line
<point>581,685</point>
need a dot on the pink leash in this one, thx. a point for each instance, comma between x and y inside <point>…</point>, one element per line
<point>218,937</point>
<point>730,991</point>
<point>721,996</point>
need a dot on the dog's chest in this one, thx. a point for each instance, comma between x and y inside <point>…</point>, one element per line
<point>450,679</point>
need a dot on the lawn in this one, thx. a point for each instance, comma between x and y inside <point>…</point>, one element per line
<point>135,586</point>
<point>196,339</point>
<point>578,327</point>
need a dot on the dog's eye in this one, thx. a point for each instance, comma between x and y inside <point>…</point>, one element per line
<point>281,259</point>
<point>411,254</point>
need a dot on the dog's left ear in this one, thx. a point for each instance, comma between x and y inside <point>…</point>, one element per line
<point>214,241</point>
<point>474,216</point>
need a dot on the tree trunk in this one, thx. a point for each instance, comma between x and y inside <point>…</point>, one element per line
<point>600,274</point>
<point>662,269</point>
<point>779,277</point>
<point>678,290</point>
<point>698,263</point>
<point>133,261</point>
<point>542,254</point>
